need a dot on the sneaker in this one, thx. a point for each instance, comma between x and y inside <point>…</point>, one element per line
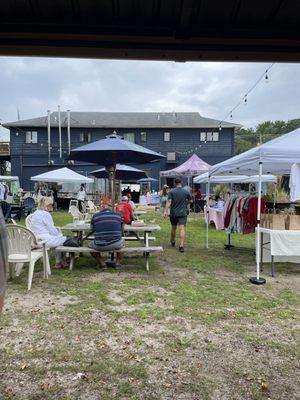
<point>181,249</point>
<point>173,244</point>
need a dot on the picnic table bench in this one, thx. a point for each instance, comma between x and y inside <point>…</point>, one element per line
<point>145,250</point>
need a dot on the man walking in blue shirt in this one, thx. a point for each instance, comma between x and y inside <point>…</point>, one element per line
<point>178,202</point>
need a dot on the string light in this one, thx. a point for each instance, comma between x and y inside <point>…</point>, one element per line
<point>244,99</point>
<point>266,77</point>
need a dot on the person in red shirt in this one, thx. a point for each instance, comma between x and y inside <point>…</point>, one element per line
<point>125,209</point>
<point>197,197</point>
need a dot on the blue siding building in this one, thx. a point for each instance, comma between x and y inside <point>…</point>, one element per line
<point>176,135</point>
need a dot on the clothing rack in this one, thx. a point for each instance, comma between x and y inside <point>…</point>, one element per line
<point>228,245</point>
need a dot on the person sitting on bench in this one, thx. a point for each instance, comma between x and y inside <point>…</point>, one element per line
<point>125,210</point>
<point>107,228</point>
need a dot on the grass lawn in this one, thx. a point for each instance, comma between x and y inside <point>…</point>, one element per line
<point>193,328</point>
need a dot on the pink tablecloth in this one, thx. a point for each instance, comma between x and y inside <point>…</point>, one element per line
<point>215,216</point>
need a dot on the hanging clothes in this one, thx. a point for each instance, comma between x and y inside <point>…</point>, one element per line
<point>241,213</point>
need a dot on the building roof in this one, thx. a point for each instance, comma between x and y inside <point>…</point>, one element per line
<point>117,120</point>
<point>185,30</point>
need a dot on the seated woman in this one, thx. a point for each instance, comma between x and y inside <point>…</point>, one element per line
<point>43,227</point>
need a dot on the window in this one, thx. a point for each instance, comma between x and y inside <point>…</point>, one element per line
<point>167,136</point>
<point>143,136</point>
<point>215,136</point>
<point>171,156</point>
<point>85,137</point>
<point>209,136</point>
<point>202,136</point>
<point>31,137</point>
<point>130,137</point>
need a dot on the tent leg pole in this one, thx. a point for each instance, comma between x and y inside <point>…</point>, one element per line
<point>228,246</point>
<point>207,210</point>
<point>257,280</point>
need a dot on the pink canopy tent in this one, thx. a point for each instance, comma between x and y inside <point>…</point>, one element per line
<point>192,167</point>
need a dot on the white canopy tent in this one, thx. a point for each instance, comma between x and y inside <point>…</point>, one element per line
<point>61,175</point>
<point>276,156</point>
<point>233,178</point>
<point>8,178</point>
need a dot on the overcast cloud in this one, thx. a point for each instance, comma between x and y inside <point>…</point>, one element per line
<point>34,85</point>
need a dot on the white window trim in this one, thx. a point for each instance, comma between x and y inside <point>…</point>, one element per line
<point>31,134</point>
<point>173,158</point>
<point>130,133</point>
<point>85,135</point>
<point>167,136</point>
<point>209,136</point>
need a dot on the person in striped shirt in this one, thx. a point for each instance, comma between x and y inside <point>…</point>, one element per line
<point>107,228</point>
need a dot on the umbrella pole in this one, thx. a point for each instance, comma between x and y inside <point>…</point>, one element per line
<point>112,183</point>
<point>257,280</point>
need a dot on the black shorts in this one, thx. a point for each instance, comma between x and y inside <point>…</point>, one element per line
<point>178,220</point>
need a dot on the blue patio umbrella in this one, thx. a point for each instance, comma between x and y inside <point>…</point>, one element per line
<point>147,180</point>
<point>123,173</point>
<point>112,150</point>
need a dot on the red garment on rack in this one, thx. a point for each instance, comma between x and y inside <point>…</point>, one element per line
<point>251,215</point>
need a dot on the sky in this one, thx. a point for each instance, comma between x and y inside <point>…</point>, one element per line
<point>34,85</point>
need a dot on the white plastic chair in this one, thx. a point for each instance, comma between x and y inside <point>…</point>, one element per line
<point>77,215</point>
<point>91,207</point>
<point>73,203</point>
<point>20,243</point>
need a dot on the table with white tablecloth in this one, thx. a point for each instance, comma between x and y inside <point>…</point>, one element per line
<point>279,246</point>
<point>215,215</point>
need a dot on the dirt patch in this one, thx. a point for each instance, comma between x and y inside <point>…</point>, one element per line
<point>36,300</point>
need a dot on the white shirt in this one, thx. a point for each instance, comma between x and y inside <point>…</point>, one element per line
<point>43,227</point>
<point>295,182</point>
<point>81,195</point>
<point>133,206</point>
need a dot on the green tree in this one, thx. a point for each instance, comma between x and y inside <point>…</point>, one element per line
<point>245,139</point>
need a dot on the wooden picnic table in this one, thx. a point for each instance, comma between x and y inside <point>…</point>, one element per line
<point>139,212</point>
<point>146,229</point>
<point>81,228</point>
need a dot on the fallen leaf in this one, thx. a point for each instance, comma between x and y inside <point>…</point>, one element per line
<point>24,366</point>
<point>264,386</point>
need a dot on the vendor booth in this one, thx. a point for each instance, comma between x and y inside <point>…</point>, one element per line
<point>274,157</point>
<point>192,167</point>
<point>216,215</point>
<point>70,181</point>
